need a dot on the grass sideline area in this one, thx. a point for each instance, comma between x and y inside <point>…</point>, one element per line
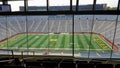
<point>58,41</point>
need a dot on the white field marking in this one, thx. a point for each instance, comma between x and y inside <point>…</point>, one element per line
<point>65,48</point>
<point>36,36</point>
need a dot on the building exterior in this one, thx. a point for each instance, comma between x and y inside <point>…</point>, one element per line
<point>65,8</point>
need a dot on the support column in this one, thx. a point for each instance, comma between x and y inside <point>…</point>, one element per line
<point>4,2</point>
<point>25,5</point>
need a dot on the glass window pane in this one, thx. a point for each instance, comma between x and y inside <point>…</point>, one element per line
<point>74,2</point>
<point>59,5</point>
<point>102,36</point>
<point>85,5</point>
<point>16,29</point>
<point>82,35</point>
<point>60,35</point>
<point>15,5</point>
<point>116,53</point>
<point>108,4</point>
<point>38,34</point>
<point>37,5</point>
<point>3,34</point>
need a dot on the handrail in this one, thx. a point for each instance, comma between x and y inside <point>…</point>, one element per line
<point>97,12</point>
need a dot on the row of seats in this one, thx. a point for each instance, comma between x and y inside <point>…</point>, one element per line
<point>68,64</point>
<point>71,65</point>
<point>54,63</point>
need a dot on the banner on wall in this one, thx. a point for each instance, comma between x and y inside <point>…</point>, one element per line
<point>5,8</point>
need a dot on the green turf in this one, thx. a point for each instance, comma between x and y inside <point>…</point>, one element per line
<point>82,42</point>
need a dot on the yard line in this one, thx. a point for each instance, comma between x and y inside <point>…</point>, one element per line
<point>24,42</point>
<point>45,43</point>
<point>67,40</point>
<point>80,42</point>
<point>53,43</point>
<point>58,41</point>
<point>33,40</point>
<point>39,43</point>
<point>76,41</point>
<point>20,40</point>
<point>87,39</point>
<point>62,41</point>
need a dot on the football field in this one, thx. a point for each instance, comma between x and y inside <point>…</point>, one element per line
<point>63,41</point>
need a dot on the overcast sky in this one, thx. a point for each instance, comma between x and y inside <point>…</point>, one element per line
<point>15,5</point>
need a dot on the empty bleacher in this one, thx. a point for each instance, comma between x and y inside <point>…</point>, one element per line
<point>56,62</point>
